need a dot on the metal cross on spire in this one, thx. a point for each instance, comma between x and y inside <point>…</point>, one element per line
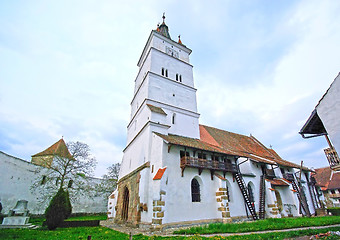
<point>163,17</point>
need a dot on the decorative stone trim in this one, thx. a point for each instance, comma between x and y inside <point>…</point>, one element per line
<point>137,170</point>
<point>273,209</point>
<point>135,207</point>
<point>222,200</point>
<point>158,211</point>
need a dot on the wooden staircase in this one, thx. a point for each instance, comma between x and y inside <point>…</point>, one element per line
<point>302,198</point>
<point>245,194</point>
<point>262,198</point>
<point>312,193</point>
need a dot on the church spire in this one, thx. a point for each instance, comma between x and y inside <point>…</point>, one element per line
<point>163,28</point>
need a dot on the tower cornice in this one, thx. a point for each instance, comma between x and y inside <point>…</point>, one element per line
<point>170,41</point>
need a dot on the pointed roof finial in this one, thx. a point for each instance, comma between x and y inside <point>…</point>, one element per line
<point>163,17</point>
<point>179,39</point>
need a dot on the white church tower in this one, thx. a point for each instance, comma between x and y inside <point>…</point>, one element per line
<point>164,98</point>
<point>164,102</point>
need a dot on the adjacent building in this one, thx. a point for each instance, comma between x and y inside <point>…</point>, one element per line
<point>324,121</point>
<point>329,182</point>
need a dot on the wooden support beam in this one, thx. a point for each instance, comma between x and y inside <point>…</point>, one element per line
<point>169,147</point>
<point>182,171</point>
<point>212,174</point>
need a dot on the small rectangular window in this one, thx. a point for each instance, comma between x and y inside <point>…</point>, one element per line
<point>202,155</point>
<point>43,180</point>
<point>166,72</point>
<point>184,153</point>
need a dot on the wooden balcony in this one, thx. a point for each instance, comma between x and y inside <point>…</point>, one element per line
<point>333,158</point>
<point>288,176</point>
<point>334,195</point>
<point>207,164</point>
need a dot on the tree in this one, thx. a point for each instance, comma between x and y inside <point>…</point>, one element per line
<point>58,210</point>
<point>110,180</point>
<point>70,170</point>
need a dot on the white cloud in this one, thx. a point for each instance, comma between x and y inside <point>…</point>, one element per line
<point>68,69</point>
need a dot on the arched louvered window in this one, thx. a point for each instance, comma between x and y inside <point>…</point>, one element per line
<point>195,191</point>
<point>251,193</point>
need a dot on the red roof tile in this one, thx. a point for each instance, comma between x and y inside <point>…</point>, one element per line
<point>206,137</point>
<point>59,149</point>
<point>159,174</point>
<point>326,178</point>
<point>219,176</point>
<point>278,182</point>
<point>220,141</point>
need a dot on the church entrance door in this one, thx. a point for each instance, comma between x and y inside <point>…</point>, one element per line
<point>125,210</point>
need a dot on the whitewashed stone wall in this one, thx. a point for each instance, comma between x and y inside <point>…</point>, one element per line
<point>17,176</point>
<point>329,112</point>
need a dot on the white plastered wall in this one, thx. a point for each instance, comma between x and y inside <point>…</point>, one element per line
<point>329,112</point>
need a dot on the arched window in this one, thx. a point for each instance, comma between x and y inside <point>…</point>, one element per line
<point>162,71</point>
<point>180,78</point>
<point>251,193</point>
<point>166,72</point>
<point>43,180</point>
<point>176,76</point>
<point>195,191</point>
<point>228,187</point>
<point>173,118</point>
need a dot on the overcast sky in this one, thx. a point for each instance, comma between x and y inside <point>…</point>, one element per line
<point>67,68</point>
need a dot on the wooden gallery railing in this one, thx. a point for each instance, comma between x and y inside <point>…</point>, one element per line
<point>206,164</point>
<point>333,158</point>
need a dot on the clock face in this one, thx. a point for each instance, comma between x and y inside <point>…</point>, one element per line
<point>171,52</point>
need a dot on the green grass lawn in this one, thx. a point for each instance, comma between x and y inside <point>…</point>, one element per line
<point>262,225</point>
<point>106,233</point>
<point>39,220</point>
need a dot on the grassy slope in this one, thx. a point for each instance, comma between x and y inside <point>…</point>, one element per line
<point>262,225</point>
<point>106,233</point>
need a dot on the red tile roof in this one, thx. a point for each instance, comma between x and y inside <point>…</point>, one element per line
<point>220,141</point>
<point>326,178</point>
<point>206,137</point>
<point>159,174</point>
<point>278,182</point>
<point>59,149</point>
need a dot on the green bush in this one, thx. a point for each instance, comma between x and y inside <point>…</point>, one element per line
<point>68,205</point>
<point>58,210</point>
<point>334,210</point>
